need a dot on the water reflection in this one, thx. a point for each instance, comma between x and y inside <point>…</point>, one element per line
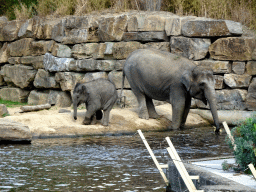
<point>110,163</point>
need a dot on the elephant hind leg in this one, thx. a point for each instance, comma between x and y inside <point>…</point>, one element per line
<point>151,108</point>
<point>143,110</point>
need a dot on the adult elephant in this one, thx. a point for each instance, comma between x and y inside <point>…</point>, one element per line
<point>164,76</point>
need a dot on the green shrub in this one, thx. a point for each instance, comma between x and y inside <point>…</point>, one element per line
<point>245,140</point>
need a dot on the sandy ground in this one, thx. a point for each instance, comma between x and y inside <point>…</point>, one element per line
<point>51,123</point>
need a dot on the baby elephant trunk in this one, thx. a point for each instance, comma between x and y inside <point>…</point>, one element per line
<point>75,109</point>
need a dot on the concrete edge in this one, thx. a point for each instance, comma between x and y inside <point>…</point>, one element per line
<point>222,183</point>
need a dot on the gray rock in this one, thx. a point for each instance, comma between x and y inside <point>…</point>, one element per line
<point>76,29</point>
<point>251,67</point>
<point>20,75</point>
<point>192,48</point>
<point>9,30</point>
<point>116,77</point>
<point>26,29</point>
<point>122,50</point>
<point>44,79</point>
<point>38,97</point>
<point>233,48</point>
<point>3,20</point>
<point>59,98</point>
<point>55,64</point>
<point>4,53</point>
<point>233,99</point>
<point>60,50</point>
<point>3,110</point>
<point>218,67</point>
<point>219,81</point>
<point>163,46</point>
<point>111,28</point>
<point>14,131</point>
<point>85,51</point>
<point>237,81</point>
<point>211,28</point>
<point>174,24</point>
<point>68,80</point>
<point>35,61</point>
<point>238,67</point>
<point>130,99</point>
<point>152,36</point>
<point>14,60</point>
<point>105,65</point>
<point>14,94</point>
<point>64,111</point>
<point>63,99</point>
<point>146,22</point>
<point>92,76</point>
<point>232,117</point>
<point>251,97</point>
<point>119,65</point>
<point>83,65</point>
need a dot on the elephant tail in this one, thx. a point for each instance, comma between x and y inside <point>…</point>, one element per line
<point>121,93</point>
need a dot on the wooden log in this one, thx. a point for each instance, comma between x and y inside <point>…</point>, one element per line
<point>35,107</point>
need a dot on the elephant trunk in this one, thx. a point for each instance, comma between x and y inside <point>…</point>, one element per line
<point>211,98</point>
<point>75,109</point>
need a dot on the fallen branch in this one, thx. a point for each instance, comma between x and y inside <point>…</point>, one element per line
<point>35,107</point>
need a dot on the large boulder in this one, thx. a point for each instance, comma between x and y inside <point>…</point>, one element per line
<point>14,94</point>
<point>146,22</point>
<point>211,28</point>
<point>237,81</point>
<point>251,67</point>
<point>233,48</point>
<point>4,53</point>
<point>218,67</point>
<point>122,50</point>
<point>239,68</point>
<point>38,97</point>
<point>112,27</point>
<point>19,75</point>
<point>59,98</point>
<point>3,110</point>
<point>60,50</point>
<point>174,24</point>
<point>76,29</point>
<point>228,99</point>
<point>251,96</point>
<point>192,48</point>
<point>46,80</point>
<point>68,80</point>
<point>56,64</point>
<point>11,131</point>
<point>9,30</point>
<point>35,61</point>
<point>116,77</point>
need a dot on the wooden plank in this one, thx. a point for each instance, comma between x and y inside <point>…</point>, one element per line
<point>184,174</point>
<point>164,166</point>
<point>153,157</point>
<point>229,134</point>
<point>194,177</point>
<point>252,169</point>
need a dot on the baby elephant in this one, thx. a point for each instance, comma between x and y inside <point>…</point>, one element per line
<point>99,94</point>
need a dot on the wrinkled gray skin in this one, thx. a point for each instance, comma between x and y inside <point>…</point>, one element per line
<point>98,95</point>
<point>164,76</point>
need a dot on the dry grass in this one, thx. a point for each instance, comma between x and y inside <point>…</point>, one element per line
<point>243,11</point>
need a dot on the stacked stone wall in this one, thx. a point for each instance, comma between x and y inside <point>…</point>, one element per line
<point>43,58</point>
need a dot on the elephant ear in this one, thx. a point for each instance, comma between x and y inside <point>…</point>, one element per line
<point>186,79</point>
<point>84,89</point>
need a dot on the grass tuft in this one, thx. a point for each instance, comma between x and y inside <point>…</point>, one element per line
<point>11,103</point>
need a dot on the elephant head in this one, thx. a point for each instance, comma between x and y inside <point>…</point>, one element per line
<point>200,84</point>
<point>80,95</point>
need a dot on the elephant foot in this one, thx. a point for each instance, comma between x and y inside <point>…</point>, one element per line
<point>155,116</point>
<point>87,121</point>
<point>144,116</point>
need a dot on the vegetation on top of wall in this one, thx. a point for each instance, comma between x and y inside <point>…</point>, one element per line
<point>243,11</point>
<point>245,140</point>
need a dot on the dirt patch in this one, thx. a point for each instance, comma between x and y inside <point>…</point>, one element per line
<point>51,123</point>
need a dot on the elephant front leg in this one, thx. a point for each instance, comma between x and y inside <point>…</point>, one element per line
<point>186,111</point>
<point>88,118</point>
<point>178,108</point>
